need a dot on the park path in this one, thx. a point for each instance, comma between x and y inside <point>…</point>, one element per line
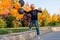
<point>50,36</point>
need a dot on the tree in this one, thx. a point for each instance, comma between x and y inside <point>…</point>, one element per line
<point>59,18</point>
<point>27,7</point>
<point>39,20</point>
<point>2,23</point>
<point>54,17</point>
<point>9,19</point>
<point>46,17</point>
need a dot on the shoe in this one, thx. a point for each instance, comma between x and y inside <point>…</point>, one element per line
<point>30,29</point>
<point>38,37</point>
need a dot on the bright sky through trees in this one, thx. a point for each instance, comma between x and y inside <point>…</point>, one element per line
<point>53,6</point>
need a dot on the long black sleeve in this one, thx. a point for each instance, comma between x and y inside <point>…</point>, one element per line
<point>39,11</point>
<point>27,12</point>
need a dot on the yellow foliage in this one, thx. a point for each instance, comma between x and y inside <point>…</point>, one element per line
<point>7,3</point>
<point>13,12</point>
<point>19,16</point>
<point>15,1</point>
<point>59,18</point>
<point>1,10</point>
<point>27,7</point>
<point>49,19</point>
<point>54,17</point>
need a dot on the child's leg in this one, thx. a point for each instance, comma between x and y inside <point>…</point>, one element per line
<point>31,23</point>
<point>37,28</point>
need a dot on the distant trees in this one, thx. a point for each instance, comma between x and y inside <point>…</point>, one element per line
<point>45,19</point>
<point>9,14</point>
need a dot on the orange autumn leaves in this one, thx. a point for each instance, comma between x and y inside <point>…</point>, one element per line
<point>1,7</point>
<point>17,5</point>
<point>7,3</point>
<point>4,6</point>
<point>1,4</point>
<point>27,7</point>
<point>15,13</point>
<point>7,7</point>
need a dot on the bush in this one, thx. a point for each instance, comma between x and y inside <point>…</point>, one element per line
<point>15,24</point>
<point>19,23</point>
<point>9,19</point>
<point>55,23</point>
<point>2,23</point>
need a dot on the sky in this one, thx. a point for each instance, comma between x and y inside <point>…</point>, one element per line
<point>53,6</point>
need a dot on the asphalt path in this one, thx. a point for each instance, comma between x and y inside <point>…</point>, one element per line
<point>50,36</point>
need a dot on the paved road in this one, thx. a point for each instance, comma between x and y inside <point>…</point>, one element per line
<point>51,36</point>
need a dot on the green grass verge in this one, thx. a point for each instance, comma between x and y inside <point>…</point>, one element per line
<point>13,30</point>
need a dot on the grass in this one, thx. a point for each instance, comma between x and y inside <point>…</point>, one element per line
<point>13,30</point>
